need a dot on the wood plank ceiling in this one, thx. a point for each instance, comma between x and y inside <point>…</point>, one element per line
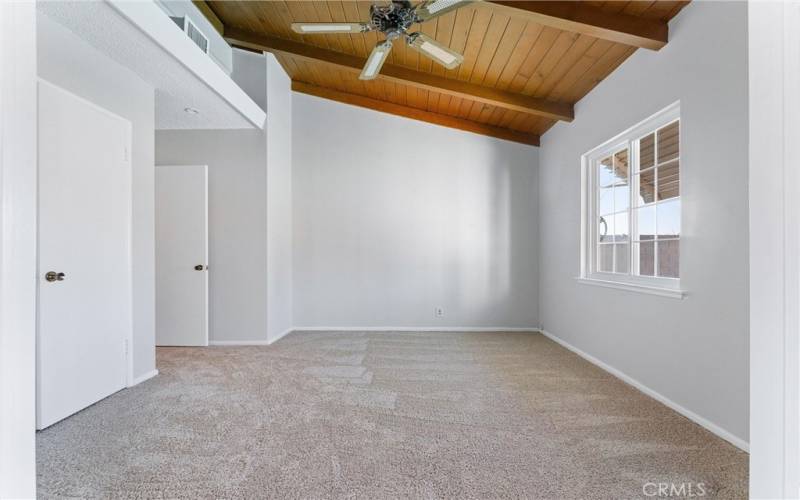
<point>525,63</point>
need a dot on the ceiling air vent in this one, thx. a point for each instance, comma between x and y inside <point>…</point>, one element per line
<point>192,31</point>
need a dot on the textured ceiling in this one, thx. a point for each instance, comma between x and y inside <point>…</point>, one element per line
<point>176,87</point>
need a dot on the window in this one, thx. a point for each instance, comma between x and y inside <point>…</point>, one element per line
<point>632,208</point>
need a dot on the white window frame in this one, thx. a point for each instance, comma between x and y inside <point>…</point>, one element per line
<point>656,285</point>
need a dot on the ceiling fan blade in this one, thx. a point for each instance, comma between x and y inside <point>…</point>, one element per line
<point>440,53</point>
<point>321,28</point>
<point>375,60</point>
<point>433,8</point>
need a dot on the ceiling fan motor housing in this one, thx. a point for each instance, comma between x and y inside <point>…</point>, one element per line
<point>394,18</point>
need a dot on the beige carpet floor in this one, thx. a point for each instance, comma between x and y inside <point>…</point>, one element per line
<point>382,415</point>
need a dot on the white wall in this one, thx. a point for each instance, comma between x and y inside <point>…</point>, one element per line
<point>250,73</point>
<point>394,218</point>
<point>279,200</point>
<point>17,249</point>
<point>692,351</point>
<point>774,249</point>
<point>67,61</point>
<point>237,266</point>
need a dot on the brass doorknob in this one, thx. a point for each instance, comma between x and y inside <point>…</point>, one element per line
<point>54,276</point>
<point>198,267</point>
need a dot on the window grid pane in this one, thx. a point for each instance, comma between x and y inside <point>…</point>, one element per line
<point>605,229</point>
<point>645,182</point>
<point>605,258</point>
<point>605,200</point>
<point>668,255</point>
<point>668,175</point>
<point>605,176</point>
<point>668,219</point>
<point>647,151</point>
<point>645,255</point>
<point>667,142</point>
<point>622,185</point>
<point>622,255</point>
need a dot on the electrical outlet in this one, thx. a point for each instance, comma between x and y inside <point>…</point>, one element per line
<point>439,312</point>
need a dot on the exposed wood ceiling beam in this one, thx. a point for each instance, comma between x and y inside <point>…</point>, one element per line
<point>580,18</point>
<point>405,76</point>
<point>209,14</point>
<point>416,114</point>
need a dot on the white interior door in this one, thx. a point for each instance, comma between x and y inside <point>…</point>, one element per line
<point>182,255</point>
<point>84,307</point>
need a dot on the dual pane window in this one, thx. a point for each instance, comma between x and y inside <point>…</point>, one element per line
<point>638,206</point>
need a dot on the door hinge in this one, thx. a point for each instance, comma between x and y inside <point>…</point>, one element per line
<point>125,343</point>
<point>125,154</point>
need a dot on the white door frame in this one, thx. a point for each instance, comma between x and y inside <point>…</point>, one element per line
<point>18,204</point>
<point>774,204</point>
<point>791,59</point>
<point>129,379</point>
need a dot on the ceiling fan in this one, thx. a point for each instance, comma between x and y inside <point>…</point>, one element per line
<point>394,20</point>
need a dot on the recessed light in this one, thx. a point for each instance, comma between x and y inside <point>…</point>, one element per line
<point>192,111</point>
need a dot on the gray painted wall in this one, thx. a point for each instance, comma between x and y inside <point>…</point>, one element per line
<point>394,218</point>
<point>279,200</point>
<point>67,61</point>
<point>237,216</point>
<point>250,73</point>
<point>692,351</point>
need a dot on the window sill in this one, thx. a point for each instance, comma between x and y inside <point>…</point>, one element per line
<point>634,287</point>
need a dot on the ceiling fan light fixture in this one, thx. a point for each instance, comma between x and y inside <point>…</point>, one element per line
<point>435,8</point>
<point>436,51</point>
<point>318,28</point>
<point>376,59</point>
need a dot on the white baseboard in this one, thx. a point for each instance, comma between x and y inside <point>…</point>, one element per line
<point>371,329</point>
<point>237,342</point>
<point>412,329</point>
<point>250,342</point>
<point>711,426</point>
<point>281,335</point>
<point>141,378</point>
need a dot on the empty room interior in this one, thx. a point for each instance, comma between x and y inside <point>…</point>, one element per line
<point>393,249</point>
